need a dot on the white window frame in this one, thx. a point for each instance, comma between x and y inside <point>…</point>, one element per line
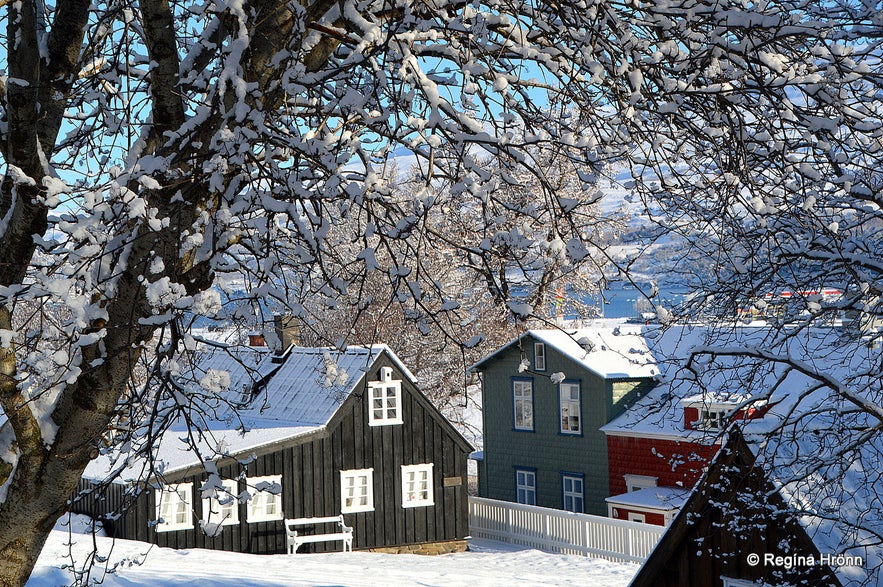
<point>526,486</point>
<point>539,356</point>
<point>417,486</point>
<point>636,517</point>
<point>711,419</point>
<point>261,498</point>
<point>388,392</point>
<point>178,500</point>
<point>565,407</point>
<point>525,399</point>
<point>637,482</point>
<point>223,507</point>
<point>573,494</point>
<point>356,491</point>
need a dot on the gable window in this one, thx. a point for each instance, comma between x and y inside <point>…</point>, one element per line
<point>572,492</point>
<point>385,397</point>
<point>526,486</point>
<point>539,356</point>
<point>712,419</point>
<point>569,403</point>
<point>417,485</point>
<point>174,509</point>
<point>522,399</point>
<point>222,508</point>
<point>638,482</point>
<point>265,504</point>
<point>357,491</point>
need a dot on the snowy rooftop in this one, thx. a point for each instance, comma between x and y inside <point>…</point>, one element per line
<point>294,394</point>
<point>818,435</point>
<point>660,498</point>
<point>611,348</point>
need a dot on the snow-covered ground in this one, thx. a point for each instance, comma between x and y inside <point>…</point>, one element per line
<point>487,564</point>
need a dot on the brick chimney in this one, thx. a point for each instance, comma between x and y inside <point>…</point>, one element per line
<point>256,339</point>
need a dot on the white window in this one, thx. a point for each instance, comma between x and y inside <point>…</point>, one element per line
<point>522,397</point>
<point>636,482</point>
<point>385,398</point>
<point>712,419</point>
<point>417,485</point>
<point>222,509</point>
<point>539,356</point>
<point>266,498</point>
<point>357,491</point>
<point>174,509</point>
<point>572,488</point>
<point>570,408</point>
<point>636,517</point>
<point>526,487</point>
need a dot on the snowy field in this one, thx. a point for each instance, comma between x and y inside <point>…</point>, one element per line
<point>487,564</point>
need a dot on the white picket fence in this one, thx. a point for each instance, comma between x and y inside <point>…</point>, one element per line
<point>560,531</point>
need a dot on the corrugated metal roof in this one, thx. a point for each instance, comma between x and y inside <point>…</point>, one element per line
<point>295,394</point>
<point>310,385</point>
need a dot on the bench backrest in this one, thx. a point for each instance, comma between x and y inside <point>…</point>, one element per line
<point>312,521</point>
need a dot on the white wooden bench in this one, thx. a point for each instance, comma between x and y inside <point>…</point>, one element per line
<point>295,539</point>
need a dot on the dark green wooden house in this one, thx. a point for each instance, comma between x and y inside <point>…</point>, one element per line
<point>325,433</point>
<point>545,395</point>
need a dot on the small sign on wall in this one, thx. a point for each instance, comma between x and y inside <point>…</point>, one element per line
<point>453,481</point>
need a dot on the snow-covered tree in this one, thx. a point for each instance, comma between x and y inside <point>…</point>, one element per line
<point>153,149</point>
<point>764,160</point>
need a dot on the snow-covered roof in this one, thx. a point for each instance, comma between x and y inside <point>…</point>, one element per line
<point>816,436</point>
<point>658,498</point>
<point>295,394</point>
<point>613,349</point>
<point>826,459</point>
<point>310,385</point>
<point>727,380</point>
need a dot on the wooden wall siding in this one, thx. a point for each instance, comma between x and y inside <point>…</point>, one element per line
<point>544,449</point>
<point>673,463</point>
<point>709,539</point>
<point>310,470</point>
<point>96,501</point>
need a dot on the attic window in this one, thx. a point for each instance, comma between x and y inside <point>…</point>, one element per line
<point>711,419</point>
<point>385,400</point>
<point>539,356</point>
<point>703,413</point>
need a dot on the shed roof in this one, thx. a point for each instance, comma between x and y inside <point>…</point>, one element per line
<point>658,498</point>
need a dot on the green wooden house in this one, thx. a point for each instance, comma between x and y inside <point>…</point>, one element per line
<point>545,395</point>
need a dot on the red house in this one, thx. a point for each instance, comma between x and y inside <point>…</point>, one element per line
<point>659,448</point>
